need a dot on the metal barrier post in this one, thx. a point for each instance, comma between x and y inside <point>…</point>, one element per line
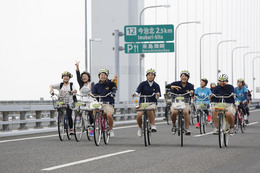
<point>38,116</point>
<point>6,118</point>
<point>52,115</point>
<point>22,124</point>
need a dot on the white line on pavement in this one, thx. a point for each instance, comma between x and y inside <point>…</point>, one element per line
<point>23,139</point>
<point>87,160</point>
<point>203,134</point>
<point>252,123</point>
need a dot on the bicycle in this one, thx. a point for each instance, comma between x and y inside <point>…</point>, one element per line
<point>100,120</point>
<point>192,112</point>
<point>61,104</point>
<point>201,107</point>
<point>179,104</point>
<point>239,117</point>
<point>82,118</point>
<point>146,106</point>
<point>223,130</point>
<point>167,107</point>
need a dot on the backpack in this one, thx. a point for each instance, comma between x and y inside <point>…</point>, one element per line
<point>71,84</point>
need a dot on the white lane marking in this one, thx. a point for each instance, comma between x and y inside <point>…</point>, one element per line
<point>87,160</point>
<point>23,139</point>
<point>252,123</point>
<point>255,110</point>
<point>203,134</point>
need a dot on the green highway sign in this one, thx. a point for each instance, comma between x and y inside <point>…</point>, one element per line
<point>144,33</point>
<point>149,47</point>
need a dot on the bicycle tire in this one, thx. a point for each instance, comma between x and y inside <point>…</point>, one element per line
<point>78,127</point>
<point>97,129</point>
<point>144,129</point>
<point>67,127</point>
<point>225,132</point>
<point>166,115</point>
<point>182,130</point>
<point>149,130</point>
<point>105,130</point>
<point>204,123</point>
<point>220,131</point>
<point>200,120</point>
<point>243,123</point>
<point>61,129</point>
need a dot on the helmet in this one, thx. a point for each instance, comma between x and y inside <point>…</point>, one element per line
<point>186,72</point>
<point>212,85</point>
<point>103,70</point>
<point>151,70</point>
<point>66,73</point>
<point>223,77</point>
<point>241,80</point>
<point>87,73</point>
<point>205,80</point>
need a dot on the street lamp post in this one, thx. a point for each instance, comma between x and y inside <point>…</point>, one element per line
<point>212,33</point>
<point>140,23</point>
<point>244,62</point>
<point>90,51</point>
<point>253,64</point>
<point>224,41</point>
<point>176,40</point>
<point>232,60</point>
<point>86,36</point>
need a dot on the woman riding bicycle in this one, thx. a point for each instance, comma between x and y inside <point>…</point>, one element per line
<point>66,89</point>
<point>182,87</point>
<point>104,87</point>
<point>148,87</point>
<point>202,92</point>
<point>242,96</point>
<point>224,89</point>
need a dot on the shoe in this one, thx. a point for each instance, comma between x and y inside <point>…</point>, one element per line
<point>245,117</point>
<point>197,125</point>
<point>187,132</point>
<point>231,131</point>
<point>112,134</point>
<point>215,132</point>
<point>71,132</point>
<point>209,118</point>
<point>174,130</point>
<point>153,127</point>
<point>139,132</point>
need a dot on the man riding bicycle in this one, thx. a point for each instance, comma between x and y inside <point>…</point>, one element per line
<point>242,96</point>
<point>103,87</point>
<point>224,89</point>
<point>181,87</point>
<point>147,87</point>
<point>66,90</point>
<point>202,92</point>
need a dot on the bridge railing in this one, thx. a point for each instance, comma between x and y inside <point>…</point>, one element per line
<point>22,115</point>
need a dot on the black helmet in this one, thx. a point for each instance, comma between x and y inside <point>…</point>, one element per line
<point>205,80</point>
<point>87,73</point>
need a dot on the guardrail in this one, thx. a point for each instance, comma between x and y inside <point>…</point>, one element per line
<point>18,115</point>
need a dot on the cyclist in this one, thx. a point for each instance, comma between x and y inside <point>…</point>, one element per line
<point>224,89</point>
<point>103,87</point>
<point>147,87</point>
<point>242,96</point>
<point>181,87</point>
<point>212,86</point>
<point>64,88</point>
<point>202,92</point>
<point>249,101</point>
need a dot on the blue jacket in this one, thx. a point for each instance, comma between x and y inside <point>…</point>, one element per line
<point>223,91</point>
<point>103,89</point>
<point>145,89</point>
<point>183,90</point>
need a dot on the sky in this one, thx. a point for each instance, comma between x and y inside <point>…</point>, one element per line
<point>39,39</point>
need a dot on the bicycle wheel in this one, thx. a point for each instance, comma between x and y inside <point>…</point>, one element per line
<point>243,123</point>
<point>78,126</point>
<point>220,130</point>
<point>225,132</point>
<point>97,129</point>
<point>149,130</point>
<point>167,114</point>
<point>105,130</point>
<point>61,129</point>
<point>237,121</point>
<point>204,123</point>
<point>192,115</point>
<point>66,122</point>
<point>182,128</point>
<point>90,132</point>
<point>145,128</point>
<point>200,120</point>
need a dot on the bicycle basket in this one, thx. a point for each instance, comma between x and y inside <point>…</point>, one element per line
<point>179,103</point>
<point>201,106</point>
<point>146,106</point>
<point>221,106</point>
<point>95,105</point>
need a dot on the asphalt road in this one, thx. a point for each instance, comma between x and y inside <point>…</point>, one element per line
<point>126,152</point>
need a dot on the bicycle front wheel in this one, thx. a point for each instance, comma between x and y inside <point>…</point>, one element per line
<point>243,123</point>
<point>145,128</point>
<point>182,127</point>
<point>105,130</point>
<point>204,123</point>
<point>97,129</point>
<point>149,130</point>
<point>200,121</point>
<point>78,126</point>
<point>66,122</point>
<point>220,131</point>
<point>61,129</point>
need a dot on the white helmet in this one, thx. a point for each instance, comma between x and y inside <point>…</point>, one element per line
<point>223,77</point>
<point>151,70</point>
